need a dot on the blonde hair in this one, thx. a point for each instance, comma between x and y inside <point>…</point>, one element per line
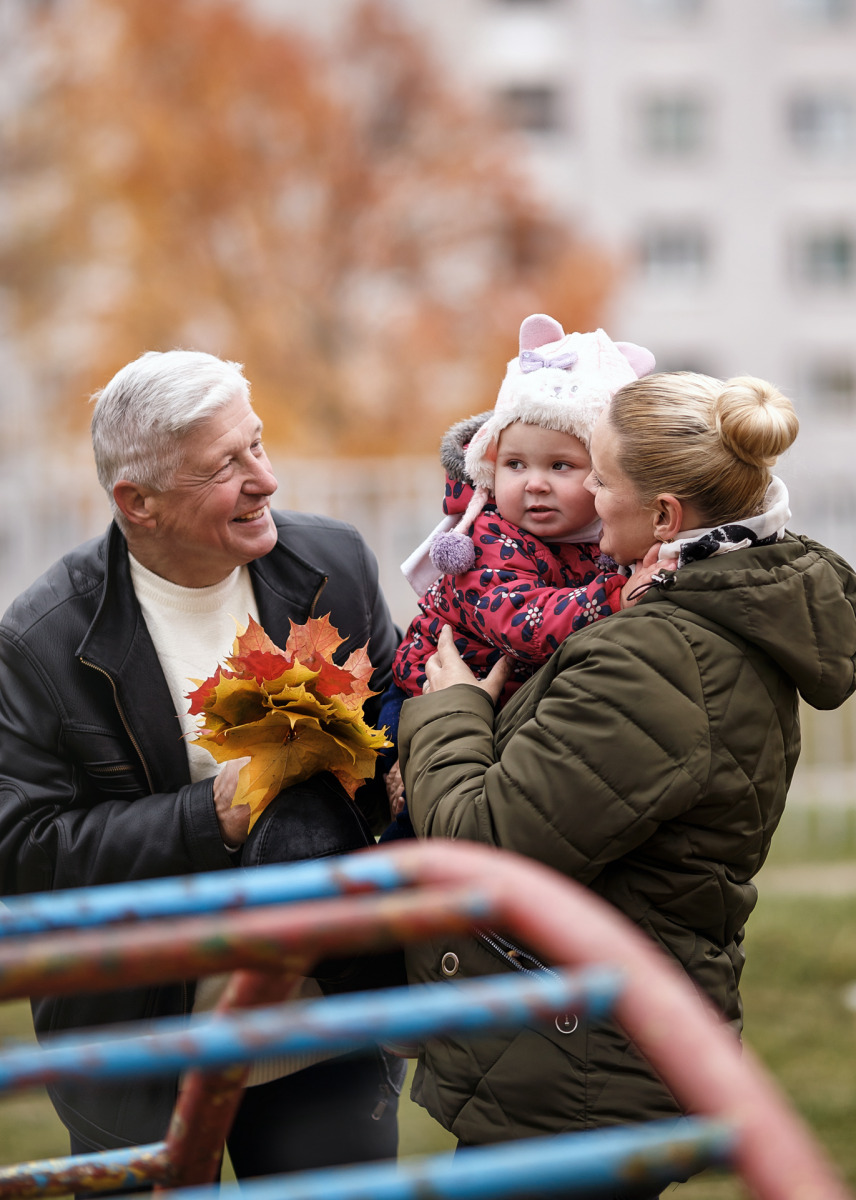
<point>706,441</point>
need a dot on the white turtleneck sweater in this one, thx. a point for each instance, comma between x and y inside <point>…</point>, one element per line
<point>193,629</point>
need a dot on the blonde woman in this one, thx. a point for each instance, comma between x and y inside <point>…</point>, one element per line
<point>650,757</point>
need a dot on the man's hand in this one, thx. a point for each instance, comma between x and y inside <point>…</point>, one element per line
<point>446,668</point>
<point>234,822</point>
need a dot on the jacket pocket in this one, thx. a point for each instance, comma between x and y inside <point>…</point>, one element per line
<point>115,779</point>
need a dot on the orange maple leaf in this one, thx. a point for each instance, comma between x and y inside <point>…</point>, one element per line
<point>314,645</point>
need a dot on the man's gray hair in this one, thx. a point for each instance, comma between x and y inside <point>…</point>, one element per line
<point>148,407</point>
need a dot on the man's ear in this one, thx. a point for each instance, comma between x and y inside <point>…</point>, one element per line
<point>134,503</point>
<point>668,517</point>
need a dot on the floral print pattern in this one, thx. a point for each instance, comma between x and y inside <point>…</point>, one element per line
<point>521,599</point>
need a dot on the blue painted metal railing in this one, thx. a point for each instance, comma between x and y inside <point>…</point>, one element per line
<point>340,1023</point>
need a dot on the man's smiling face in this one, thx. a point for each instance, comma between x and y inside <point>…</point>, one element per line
<point>216,515</point>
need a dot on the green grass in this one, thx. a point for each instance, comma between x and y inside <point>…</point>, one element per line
<point>801,959</point>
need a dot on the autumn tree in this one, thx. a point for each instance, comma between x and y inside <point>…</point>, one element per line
<point>334,216</point>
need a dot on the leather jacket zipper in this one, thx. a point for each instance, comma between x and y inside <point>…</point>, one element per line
<point>315,598</point>
<point>123,719</point>
<point>185,993</point>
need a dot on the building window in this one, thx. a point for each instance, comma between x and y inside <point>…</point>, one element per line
<point>831,385</point>
<point>534,108</point>
<point>828,12</point>
<point>823,124</point>
<point>674,255</point>
<point>672,126</point>
<point>669,10</point>
<point>827,259</point>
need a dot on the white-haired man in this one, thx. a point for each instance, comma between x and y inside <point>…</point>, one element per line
<point>97,783</point>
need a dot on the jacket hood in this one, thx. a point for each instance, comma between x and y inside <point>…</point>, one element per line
<point>453,447</point>
<point>795,601</point>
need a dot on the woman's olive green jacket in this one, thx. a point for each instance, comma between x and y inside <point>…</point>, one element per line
<point>649,759</point>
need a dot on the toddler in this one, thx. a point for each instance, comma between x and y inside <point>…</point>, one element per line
<point>520,569</point>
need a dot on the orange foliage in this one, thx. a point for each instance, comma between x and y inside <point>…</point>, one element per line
<point>335,218</point>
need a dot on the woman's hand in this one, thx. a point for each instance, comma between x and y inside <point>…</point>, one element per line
<point>446,668</point>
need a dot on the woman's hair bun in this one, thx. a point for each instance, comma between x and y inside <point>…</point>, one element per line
<point>754,420</point>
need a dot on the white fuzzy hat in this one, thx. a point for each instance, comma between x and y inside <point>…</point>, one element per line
<point>559,381</point>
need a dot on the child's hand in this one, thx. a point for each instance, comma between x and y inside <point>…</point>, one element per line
<point>446,668</point>
<point>395,789</point>
<point>643,575</point>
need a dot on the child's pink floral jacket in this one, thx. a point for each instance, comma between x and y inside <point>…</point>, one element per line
<point>522,598</point>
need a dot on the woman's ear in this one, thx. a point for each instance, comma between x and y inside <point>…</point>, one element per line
<point>668,517</point>
<point>134,503</point>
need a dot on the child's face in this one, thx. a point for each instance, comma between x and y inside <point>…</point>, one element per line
<point>539,481</point>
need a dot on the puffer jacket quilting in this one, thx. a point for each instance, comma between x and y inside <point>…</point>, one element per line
<point>649,759</point>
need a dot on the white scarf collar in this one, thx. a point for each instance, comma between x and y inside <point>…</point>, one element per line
<point>694,544</point>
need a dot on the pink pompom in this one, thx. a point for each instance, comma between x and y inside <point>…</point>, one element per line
<point>453,553</point>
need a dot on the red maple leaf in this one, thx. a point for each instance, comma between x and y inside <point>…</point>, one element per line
<point>204,693</point>
<point>255,656</point>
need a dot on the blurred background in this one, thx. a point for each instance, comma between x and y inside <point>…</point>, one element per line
<point>360,201</point>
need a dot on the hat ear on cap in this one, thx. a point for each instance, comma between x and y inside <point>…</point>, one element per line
<point>539,330</point>
<point>641,360</point>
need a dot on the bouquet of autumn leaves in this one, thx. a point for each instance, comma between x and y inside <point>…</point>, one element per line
<point>293,711</point>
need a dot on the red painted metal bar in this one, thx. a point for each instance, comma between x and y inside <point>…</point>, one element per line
<point>679,1032</point>
<point>208,1100</point>
<point>273,938</point>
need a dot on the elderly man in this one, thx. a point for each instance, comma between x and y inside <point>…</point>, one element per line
<point>97,783</point>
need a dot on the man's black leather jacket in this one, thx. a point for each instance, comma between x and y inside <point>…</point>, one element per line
<point>94,782</point>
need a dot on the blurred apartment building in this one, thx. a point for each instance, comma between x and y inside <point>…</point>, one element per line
<point>710,147</point>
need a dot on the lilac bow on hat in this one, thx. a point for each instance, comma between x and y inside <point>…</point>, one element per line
<point>531,360</point>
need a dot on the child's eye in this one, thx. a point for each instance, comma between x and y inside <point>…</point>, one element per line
<point>561,466</point>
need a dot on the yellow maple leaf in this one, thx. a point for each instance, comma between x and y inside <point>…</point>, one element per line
<point>235,701</point>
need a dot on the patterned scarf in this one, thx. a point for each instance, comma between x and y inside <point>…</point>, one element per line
<point>762,530</point>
